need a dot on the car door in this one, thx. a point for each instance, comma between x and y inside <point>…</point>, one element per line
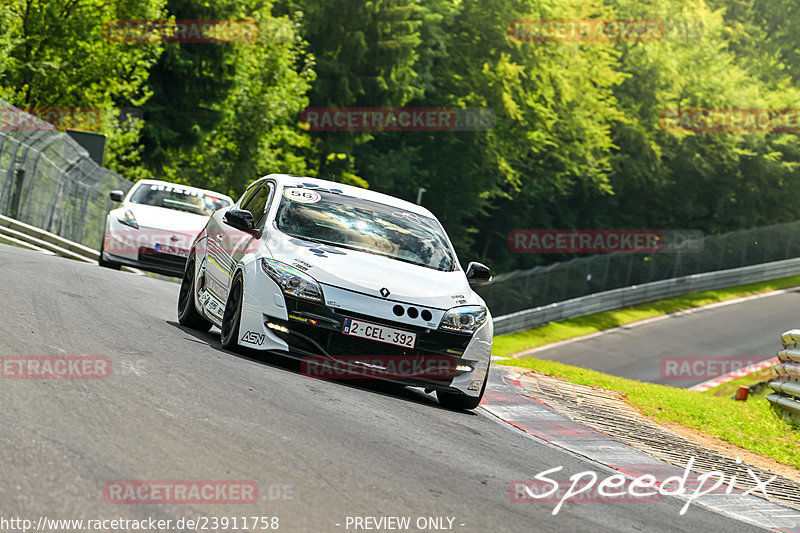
<point>228,245</point>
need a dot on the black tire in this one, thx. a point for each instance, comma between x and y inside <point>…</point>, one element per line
<point>102,262</point>
<point>232,316</point>
<point>454,400</point>
<point>187,312</point>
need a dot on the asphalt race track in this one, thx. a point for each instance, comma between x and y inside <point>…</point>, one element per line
<point>178,407</point>
<point>747,329</point>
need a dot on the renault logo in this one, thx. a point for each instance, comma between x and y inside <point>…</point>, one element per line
<point>385,292</point>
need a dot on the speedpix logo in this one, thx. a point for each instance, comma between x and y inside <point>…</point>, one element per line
<point>587,487</point>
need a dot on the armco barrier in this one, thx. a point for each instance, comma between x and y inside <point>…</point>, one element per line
<point>647,292</point>
<point>44,239</point>
<point>40,240</point>
<point>786,398</point>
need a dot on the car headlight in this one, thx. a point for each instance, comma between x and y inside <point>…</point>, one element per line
<point>292,281</point>
<point>129,220</point>
<point>464,319</point>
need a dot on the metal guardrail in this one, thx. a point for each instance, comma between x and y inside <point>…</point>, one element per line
<point>516,291</point>
<point>786,396</point>
<point>37,239</point>
<point>647,292</point>
<point>10,227</point>
<point>49,181</point>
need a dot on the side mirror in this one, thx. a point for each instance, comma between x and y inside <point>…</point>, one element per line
<point>242,220</point>
<point>478,273</point>
<point>116,195</point>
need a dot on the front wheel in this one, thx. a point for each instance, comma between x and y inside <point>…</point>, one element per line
<point>187,312</point>
<point>102,262</point>
<point>453,400</point>
<point>232,316</point>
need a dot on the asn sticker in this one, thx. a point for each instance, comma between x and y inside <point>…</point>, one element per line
<point>303,196</point>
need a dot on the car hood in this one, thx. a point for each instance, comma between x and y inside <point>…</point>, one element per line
<point>152,217</point>
<point>369,273</point>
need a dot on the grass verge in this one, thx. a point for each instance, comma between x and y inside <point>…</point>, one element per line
<point>750,425</point>
<point>511,343</point>
<point>729,388</point>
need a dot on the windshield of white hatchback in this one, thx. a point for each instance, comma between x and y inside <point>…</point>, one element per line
<point>358,224</point>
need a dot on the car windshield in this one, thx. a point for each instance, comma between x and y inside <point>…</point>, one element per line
<point>177,197</point>
<point>340,220</point>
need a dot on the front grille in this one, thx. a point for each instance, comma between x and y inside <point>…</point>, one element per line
<point>150,257</point>
<point>328,335</point>
<point>341,344</point>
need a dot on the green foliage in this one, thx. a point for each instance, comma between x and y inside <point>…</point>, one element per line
<point>576,143</point>
<point>257,133</point>
<point>55,54</point>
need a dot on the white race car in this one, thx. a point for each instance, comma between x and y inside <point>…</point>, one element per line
<point>156,224</point>
<point>353,282</point>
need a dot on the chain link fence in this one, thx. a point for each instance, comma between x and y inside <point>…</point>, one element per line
<point>543,285</point>
<point>48,180</point>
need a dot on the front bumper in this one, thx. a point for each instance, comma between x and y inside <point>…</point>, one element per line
<point>439,360</point>
<point>152,261</point>
<point>146,248</point>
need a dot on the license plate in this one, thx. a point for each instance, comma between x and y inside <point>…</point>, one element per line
<point>171,250</point>
<point>374,332</point>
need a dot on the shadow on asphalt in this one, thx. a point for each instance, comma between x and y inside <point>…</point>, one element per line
<point>290,364</point>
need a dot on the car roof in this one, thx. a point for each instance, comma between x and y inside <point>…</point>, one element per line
<point>183,186</point>
<point>288,180</point>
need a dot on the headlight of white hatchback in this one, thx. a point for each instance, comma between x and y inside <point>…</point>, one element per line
<point>129,220</point>
<point>292,281</point>
<point>464,319</point>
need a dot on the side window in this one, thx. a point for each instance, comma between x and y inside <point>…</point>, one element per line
<point>249,194</point>
<point>257,203</point>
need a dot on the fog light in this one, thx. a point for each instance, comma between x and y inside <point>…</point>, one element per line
<point>277,327</point>
<point>464,368</point>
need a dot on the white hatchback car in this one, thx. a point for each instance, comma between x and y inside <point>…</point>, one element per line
<point>155,225</point>
<point>353,282</point>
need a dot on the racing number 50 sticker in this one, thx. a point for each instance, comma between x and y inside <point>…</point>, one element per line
<point>304,196</point>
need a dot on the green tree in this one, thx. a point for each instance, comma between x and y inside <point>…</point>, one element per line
<point>257,133</point>
<point>365,55</point>
<point>56,54</point>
